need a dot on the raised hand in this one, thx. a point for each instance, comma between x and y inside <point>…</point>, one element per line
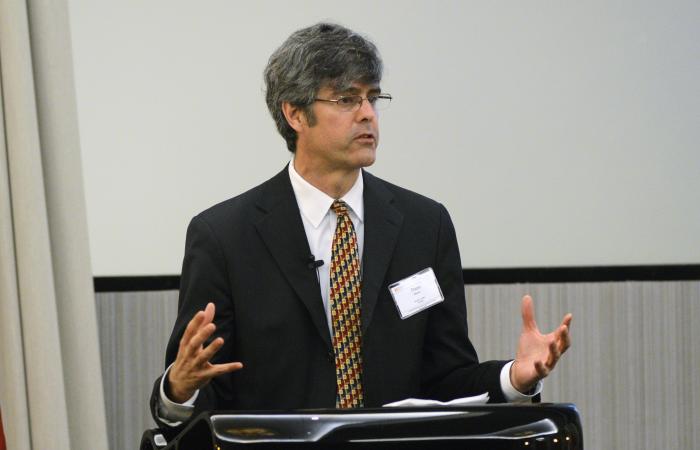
<point>192,370</point>
<point>537,353</point>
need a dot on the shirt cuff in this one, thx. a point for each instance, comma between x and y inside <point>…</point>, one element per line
<point>511,394</point>
<point>169,412</point>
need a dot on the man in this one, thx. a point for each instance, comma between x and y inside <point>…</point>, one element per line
<point>284,297</point>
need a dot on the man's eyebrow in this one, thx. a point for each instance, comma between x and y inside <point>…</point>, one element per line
<point>347,91</point>
<point>352,90</point>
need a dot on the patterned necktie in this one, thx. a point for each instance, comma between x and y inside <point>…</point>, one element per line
<point>345,311</point>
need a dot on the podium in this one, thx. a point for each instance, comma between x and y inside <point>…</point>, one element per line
<point>532,426</point>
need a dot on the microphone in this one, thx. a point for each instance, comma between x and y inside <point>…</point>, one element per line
<point>313,263</point>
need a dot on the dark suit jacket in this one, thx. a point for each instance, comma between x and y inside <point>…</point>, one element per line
<point>249,255</point>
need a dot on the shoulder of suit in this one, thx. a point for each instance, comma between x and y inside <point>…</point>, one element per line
<point>246,205</point>
<point>401,196</point>
<point>242,206</point>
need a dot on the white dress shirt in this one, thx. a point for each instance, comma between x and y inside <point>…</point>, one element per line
<point>319,225</point>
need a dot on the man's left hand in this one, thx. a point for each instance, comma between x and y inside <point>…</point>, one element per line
<point>537,353</point>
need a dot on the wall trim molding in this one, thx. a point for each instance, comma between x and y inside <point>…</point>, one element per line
<point>137,283</point>
<point>585,274</point>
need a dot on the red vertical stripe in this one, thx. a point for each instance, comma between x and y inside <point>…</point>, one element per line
<point>3,446</point>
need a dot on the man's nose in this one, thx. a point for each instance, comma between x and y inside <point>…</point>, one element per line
<point>366,111</point>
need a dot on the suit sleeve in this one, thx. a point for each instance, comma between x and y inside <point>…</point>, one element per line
<point>204,279</point>
<point>451,367</point>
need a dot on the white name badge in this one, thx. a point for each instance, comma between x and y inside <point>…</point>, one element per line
<point>416,293</point>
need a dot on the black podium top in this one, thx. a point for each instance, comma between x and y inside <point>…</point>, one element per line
<point>541,426</point>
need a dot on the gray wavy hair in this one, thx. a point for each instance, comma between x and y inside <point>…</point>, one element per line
<point>321,55</point>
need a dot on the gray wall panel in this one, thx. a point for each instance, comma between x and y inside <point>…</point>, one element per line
<point>633,370</point>
<point>134,330</point>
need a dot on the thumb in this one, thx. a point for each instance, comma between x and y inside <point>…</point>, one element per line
<point>528,312</point>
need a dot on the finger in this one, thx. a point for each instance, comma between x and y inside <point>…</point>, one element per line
<point>209,312</point>
<point>554,355</point>
<point>564,339</point>
<point>201,318</point>
<point>216,370</point>
<point>567,320</point>
<point>209,351</point>
<point>198,340</point>
<point>220,369</point>
<point>192,328</point>
<point>528,312</point>
<point>541,370</point>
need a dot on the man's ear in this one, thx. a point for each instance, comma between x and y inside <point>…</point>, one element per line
<point>296,118</point>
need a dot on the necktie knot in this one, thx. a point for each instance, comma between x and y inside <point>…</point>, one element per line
<point>340,208</point>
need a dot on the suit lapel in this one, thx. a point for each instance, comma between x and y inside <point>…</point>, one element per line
<point>283,232</point>
<point>382,225</point>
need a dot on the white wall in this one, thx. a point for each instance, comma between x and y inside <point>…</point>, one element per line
<point>556,133</point>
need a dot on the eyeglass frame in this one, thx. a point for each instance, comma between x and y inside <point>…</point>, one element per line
<point>358,105</point>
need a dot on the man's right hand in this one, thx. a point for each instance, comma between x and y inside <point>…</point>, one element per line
<point>192,370</point>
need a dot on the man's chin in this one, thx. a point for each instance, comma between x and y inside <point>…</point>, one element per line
<point>366,157</point>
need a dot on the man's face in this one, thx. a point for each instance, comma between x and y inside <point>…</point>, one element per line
<point>340,140</point>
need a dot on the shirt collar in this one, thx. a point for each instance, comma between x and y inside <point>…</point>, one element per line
<point>314,204</point>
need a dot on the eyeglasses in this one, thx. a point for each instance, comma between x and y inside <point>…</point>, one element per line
<point>351,103</point>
